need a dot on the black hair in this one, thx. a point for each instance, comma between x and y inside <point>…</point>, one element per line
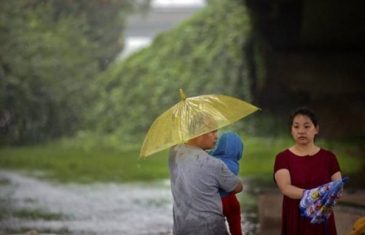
<point>306,112</point>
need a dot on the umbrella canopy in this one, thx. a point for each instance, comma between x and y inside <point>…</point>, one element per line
<point>317,203</point>
<point>192,117</point>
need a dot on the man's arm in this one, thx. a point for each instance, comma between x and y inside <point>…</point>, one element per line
<point>238,188</point>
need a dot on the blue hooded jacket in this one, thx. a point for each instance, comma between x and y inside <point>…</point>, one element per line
<point>229,149</point>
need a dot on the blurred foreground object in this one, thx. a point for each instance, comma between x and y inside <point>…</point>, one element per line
<point>358,227</point>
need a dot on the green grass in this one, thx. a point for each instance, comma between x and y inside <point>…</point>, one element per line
<point>36,214</point>
<point>74,163</point>
<point>84,165</point>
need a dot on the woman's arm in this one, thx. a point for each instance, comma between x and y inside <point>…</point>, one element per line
<point>282,178</point>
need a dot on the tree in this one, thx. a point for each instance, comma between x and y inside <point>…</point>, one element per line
<point>202,55</point>
<point>50,52</point>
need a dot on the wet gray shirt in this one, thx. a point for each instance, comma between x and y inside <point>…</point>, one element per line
<point>195,179</point>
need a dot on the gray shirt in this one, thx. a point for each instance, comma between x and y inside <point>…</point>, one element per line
<point>196,178</point>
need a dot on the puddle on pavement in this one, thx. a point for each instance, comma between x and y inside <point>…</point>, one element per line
<point>101,208</point>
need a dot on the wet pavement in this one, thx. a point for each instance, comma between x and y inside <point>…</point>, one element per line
<point>28,203</point>
<point>138,209</point>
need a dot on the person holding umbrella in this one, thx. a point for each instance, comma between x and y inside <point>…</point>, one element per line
<point>302,167</point>
<point>189,130</point>
<point>196,178</point>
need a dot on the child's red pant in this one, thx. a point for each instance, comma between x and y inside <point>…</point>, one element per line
<point>232,211</point>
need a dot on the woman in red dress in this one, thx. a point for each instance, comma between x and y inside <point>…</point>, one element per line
<point>300,167</point>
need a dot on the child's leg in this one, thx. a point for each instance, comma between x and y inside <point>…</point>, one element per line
<point>232,211</point>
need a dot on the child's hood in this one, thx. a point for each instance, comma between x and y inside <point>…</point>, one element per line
<point>229,146</point>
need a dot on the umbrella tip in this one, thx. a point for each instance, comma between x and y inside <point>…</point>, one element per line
<point>182,94</point>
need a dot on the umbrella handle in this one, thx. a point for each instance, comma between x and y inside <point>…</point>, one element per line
<point>182,94</point>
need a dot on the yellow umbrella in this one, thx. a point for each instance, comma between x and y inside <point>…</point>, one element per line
<point>192,117</point>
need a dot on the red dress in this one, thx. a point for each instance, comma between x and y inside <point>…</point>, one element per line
<point>305,172</point>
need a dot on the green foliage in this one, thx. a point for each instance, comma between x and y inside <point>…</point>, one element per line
<point>39,59</point>
<point>50,52</point>
<point>203,55</point>
<point>104,22</point>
